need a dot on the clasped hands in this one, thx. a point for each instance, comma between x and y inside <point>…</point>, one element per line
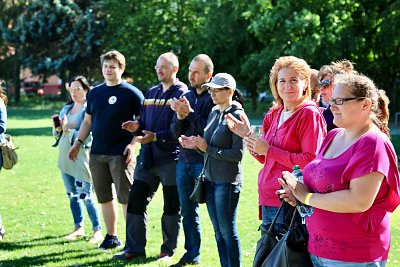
<point>291,189</point>
<point>193,142</point>
<point>181,106</point>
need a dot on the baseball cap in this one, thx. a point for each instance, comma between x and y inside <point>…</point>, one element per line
<point>221,80</point>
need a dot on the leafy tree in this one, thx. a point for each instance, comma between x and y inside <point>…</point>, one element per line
<point>9,63</point>
<point>57,37</point>
<point>365,32</point>
<point>142,30</point>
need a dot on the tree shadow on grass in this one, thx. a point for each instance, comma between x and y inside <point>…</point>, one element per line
<point>91,256</point>
<point>43,259</point>
<point>48,240</point>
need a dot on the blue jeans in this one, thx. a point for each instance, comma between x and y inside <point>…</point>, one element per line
<point>268,214</point>
<point>79,191</point>
<point>222,202</point>
<point>186,173</point>
<point>323,262</point>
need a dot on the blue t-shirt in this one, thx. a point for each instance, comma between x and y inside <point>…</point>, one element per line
<point>109,107</point>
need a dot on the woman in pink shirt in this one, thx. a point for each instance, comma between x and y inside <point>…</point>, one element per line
<point>293,131</point>
<point>353,184</point>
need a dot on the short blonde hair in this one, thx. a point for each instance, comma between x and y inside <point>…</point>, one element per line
<point>297,64</point>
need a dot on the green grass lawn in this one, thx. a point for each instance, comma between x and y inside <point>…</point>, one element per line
<point>36,212</point>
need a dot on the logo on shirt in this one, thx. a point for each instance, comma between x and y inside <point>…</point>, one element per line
<point>112,100</point>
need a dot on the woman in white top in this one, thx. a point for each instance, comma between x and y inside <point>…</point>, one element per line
<point>76,174</point>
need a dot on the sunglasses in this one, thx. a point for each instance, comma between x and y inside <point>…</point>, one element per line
<point>324,83</point>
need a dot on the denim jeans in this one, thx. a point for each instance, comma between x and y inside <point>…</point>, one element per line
<point>186,173</point>
<point>222,202</point>
<point>80,192</point>
<point>323,262</point>
<point>268,214</point>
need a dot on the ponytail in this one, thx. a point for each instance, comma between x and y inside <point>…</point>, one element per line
<point>237,96</point>
<point>382,114</point>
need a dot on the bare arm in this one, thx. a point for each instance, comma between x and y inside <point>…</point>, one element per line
<point>84,131</point>
<point>358,198</point>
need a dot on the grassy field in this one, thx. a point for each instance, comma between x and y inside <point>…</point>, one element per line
<point>36,212</point>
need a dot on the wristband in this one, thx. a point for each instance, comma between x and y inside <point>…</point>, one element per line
<point>307,199</point>
<point>79,140</point>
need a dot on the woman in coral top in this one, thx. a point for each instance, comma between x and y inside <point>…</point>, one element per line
<point>353,184</point>
<point>293,131</point>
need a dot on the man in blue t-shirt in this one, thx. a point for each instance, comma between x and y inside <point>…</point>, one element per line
<point>156,164</point>
<point>112,156</point>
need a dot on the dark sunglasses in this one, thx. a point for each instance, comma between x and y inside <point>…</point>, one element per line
<point>324,83</point>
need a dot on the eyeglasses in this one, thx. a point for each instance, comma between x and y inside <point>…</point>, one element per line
<point>216,90</point>
<point>324,83</point>
<point>162,68</point>
<point>75,89</point>
<point>340,101</point>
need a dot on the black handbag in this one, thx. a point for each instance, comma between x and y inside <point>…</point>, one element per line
<point>268,241</point>
<point>291,250</point>
<point>199,193</point>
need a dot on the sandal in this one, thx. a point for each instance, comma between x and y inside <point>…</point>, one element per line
<point>2,232</point>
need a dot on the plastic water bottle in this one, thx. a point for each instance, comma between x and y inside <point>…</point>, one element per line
<point>303,209</point>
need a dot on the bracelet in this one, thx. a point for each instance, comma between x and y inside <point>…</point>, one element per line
<point>79,140</point>
<point>307,199</point>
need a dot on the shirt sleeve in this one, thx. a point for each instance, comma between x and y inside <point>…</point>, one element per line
<point>370,154</point>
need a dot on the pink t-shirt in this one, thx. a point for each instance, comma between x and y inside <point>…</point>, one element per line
<point>353,237</point>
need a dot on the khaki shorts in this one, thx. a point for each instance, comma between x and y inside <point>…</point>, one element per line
<point>111,169</point>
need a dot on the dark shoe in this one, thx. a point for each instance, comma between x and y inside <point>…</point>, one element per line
<point>185,262</point>
<point>127,256</point>
<point>110,242</point>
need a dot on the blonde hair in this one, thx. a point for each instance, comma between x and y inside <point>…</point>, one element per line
<point>297,64</point>
<point>362,86</point>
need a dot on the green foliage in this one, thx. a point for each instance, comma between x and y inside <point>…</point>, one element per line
<point>57,37</point>
<point>142,30</point>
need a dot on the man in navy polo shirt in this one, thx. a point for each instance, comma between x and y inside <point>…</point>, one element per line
<point>156,163</point>
<point>112,156</point>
